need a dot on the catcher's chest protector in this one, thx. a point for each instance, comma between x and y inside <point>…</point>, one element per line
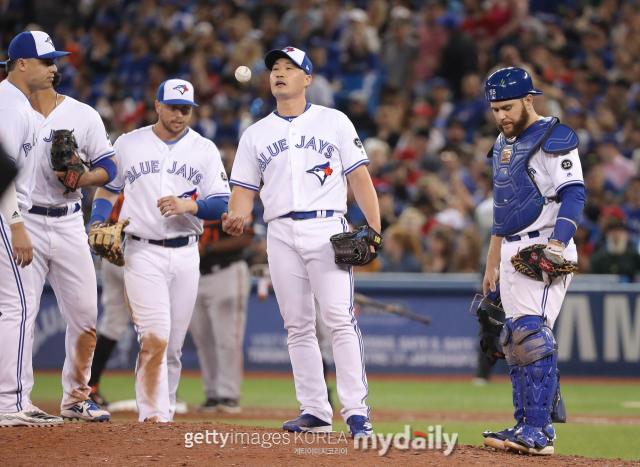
<point>516,198</point>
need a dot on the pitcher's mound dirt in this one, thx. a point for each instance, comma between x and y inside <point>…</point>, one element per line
<point>131,443</point>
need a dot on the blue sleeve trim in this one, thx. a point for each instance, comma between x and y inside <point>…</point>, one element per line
<point>99,158</point>
<point>569,183</point>
<point>117,191</point>
<point>211,209</point>
<point>109,166</point>
<point>218,195</point>
<point>356,165</point>
<point>244,185</point>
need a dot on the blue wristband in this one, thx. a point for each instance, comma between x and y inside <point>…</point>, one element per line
<point>100,210</point>
<point>212,209</point>
<point>110,166</point>
<point>563,232</point>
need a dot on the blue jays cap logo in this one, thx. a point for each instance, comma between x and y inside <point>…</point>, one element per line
<point>182,88</point>
<point>321,171</point>
<point>288,49</point>
<point>189,195</point>
<point>49,41</point>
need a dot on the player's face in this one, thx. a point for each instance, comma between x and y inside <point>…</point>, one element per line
<point>39,73</point>
<point>511,116</point>
<point>287,79</point>
<point>174,118</point>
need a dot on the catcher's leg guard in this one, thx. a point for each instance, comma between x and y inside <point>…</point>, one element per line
<point>535,350</point>
<point>558,410</point>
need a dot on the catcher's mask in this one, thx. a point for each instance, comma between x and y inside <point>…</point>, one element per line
<point>491,301</point>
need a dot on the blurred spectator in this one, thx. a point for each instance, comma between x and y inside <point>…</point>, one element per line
<point>359,116</point>
<point>460,51</point>
<point>439,256</point>
<point>467,252</point>
<point>399,50</point>
<point>618,170</point>
<point>619,256</point>
<point>631,207</point>
<point>401,252</point>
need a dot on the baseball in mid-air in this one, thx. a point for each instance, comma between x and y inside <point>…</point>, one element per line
<point>243,74</point>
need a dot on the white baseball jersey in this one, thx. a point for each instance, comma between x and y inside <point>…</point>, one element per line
<point>303,162</point>
<point>93,146</point>
<point>149,169</point>
<point>552,173</point>
<point>18,137</point>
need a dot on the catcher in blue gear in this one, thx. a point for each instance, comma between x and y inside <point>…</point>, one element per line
<point>538,200</point>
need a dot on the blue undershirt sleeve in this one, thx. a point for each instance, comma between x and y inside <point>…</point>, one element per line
<point>212,209</point>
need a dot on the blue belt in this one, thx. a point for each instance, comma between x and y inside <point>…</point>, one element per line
<point>53,212</point>
<point>170,243</point>
<point>299,216</point>
<point>515,238</point>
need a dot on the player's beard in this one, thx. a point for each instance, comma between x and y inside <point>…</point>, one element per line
<point>167,126</point>
<point>518,126</point>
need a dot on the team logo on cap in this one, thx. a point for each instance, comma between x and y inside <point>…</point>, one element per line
<point>182,88</point>
<point>321,171</point>
<point>506,155</point>
<point>288,49</point>
<point>48,40</point>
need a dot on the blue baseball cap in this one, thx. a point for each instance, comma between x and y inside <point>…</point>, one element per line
<point>33,44</point>
<point>176,92</point>
<point>509,83</point>
<point>296,55</point>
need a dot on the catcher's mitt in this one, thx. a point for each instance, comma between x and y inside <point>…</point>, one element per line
<point>65,158</point>
<point>533,261</point>
<point>353,247</point>
<point>105,241</point>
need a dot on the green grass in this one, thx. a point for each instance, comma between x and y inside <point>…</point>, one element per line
<point>609,441</point>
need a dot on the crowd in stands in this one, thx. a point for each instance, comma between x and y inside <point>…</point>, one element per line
<point>409,74</point>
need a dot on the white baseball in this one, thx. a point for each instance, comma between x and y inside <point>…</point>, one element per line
<point>243,74</point>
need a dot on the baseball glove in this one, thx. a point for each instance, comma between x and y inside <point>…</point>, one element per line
<point>65,158</point>
<point>353,247</point>
<point>533,261</point>
<point>104,241</point>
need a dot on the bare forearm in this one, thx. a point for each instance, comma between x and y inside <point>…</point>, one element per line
<point>106,194</point>
<point>493,257</point>
<point>366,196</point>
<point>241,202</point>
<point>95,177</point>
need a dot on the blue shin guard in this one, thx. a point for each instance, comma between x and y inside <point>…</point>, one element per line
<point>531,352</point>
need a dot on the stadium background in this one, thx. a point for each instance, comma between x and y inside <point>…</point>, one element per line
<point>410,76</point>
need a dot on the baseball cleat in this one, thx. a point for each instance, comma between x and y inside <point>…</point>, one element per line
<point>87,411</point>
<point>229,406</point>
<point>210,405</point>
<point>496,439</point>
<point>30,416</point>
<point>359,425</point>
<point>532,440</point>
<point>307,423</point>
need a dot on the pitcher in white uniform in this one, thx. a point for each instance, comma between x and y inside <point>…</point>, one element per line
<point>173,180</point>
<point>304,155</point>
<point>56,226</point>
<point>31,68</point>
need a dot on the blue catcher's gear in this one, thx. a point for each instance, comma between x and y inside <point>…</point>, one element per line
<point>509,83</point>
<point>531,351</point>
<point>517,199</point>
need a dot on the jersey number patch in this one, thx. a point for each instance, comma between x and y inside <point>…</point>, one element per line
<point>566,164</point>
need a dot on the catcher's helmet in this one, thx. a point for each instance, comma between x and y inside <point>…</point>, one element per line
<point>509,83</point>
<point>491,301</point>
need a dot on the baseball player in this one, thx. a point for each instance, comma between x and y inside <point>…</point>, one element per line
<point>220,315</point>
<point>173,179</point>
<point>304,154</point>
<point>31,68</point>
<point>538,199</point>
<point>56,226</point>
